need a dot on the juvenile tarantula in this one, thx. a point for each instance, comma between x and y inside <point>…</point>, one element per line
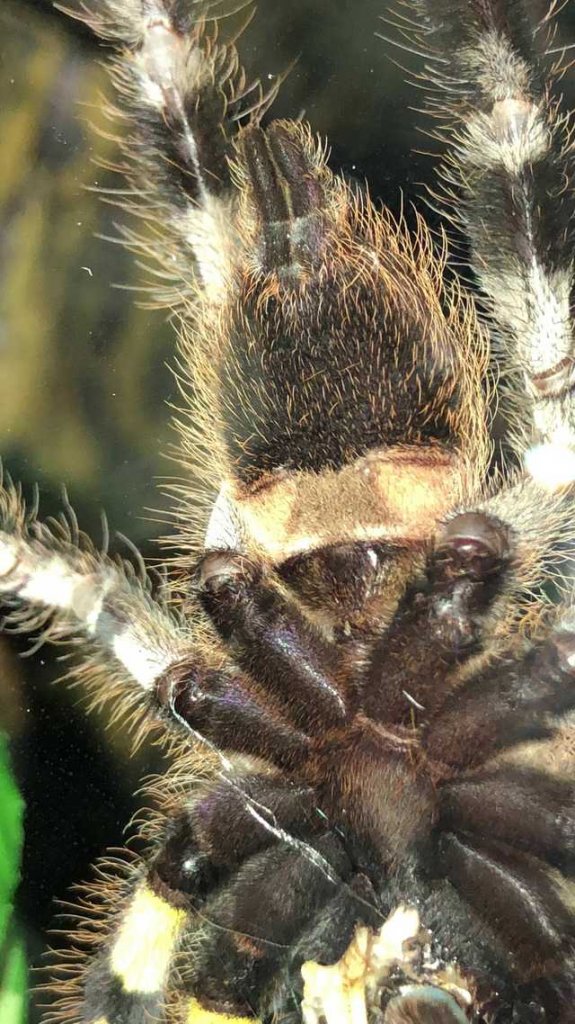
<point>388,829</point>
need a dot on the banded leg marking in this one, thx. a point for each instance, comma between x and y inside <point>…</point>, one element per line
<point>511,165</point>
<point>51,584</point>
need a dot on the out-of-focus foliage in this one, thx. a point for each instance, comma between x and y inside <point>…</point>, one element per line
<point>13,972</point>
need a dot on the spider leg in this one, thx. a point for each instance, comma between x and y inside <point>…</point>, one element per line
<point>55,581</point>
<point>515,895</point>
<point>514,698</point>
<point>526,809</point>
<point>441,621</point>
<point>252,922</point>
<point>270,638</point>
<point>149,657</point>
<point>181,91</point>
<point>196,860</point>
<point>127,980</point>
<point>227,710</point>
<point>510,171</point>
<point>481,567</point>
<point>228,822</point>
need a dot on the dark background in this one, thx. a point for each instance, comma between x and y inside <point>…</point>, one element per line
<point>83,379</point>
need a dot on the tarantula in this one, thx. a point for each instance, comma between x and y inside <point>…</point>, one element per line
<point>356,649</point>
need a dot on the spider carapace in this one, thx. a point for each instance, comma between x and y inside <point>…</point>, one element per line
<point>371,815</point>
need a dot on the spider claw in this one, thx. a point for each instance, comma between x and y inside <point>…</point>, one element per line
<point>222,570</point>
<point>473,544</point>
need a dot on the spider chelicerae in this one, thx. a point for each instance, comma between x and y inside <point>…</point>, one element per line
<point>372,812</point>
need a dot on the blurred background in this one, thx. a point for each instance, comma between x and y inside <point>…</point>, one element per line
<point>83,377</point>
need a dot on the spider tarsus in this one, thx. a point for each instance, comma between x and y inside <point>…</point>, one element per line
<point>223,570</point>
<point>473,544</point>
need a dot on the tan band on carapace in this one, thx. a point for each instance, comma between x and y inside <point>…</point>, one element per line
<point>396,494</point>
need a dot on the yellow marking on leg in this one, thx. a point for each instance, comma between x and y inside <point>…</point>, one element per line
<point>198,1015</point>
<point>143,949</point>
<point>101,1020</point>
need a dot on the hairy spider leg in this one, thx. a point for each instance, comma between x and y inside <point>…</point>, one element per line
<point>59,584</point>
<point>539,811</point>
<point>251,923</point>
<point>187,881</point>
<point>517,897</point>
<point>228,710</point>
<point>441,621</point>
<point>510,700</point>
<point>509,175</point>
<point>183,90</point>
<point>269,637</point>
